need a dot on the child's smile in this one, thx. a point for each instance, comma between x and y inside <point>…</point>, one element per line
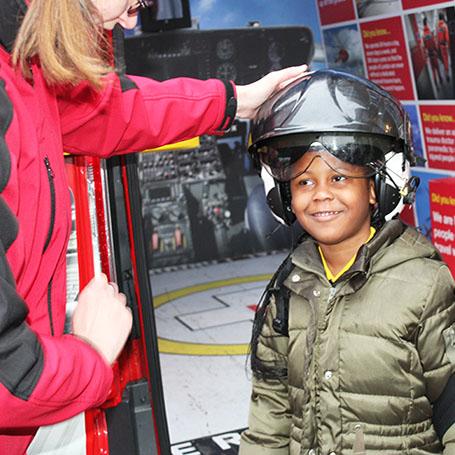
<point>326,215</point>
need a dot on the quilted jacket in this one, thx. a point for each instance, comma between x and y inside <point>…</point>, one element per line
<point>365,357</point>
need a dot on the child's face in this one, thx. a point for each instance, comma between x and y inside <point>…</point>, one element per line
<point>332,208</point>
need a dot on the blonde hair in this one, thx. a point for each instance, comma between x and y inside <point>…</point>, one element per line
<point>67,38</point>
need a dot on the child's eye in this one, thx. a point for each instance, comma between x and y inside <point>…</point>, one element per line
<point>339,178</point>
<point>305,182</point>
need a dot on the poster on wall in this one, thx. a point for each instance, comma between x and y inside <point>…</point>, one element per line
<point>423,199</point>
<point>430,47</point>
<point>344,49</point>
<point>333,11</point>
<point>368,8</point>
<point>385,56</point>
<point>413,115</point>
<point>408,4</point>
<point>438,124</point>
<point>408,48</point>
<point>442,207</point>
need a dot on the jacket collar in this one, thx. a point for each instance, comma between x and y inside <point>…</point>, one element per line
<point>11,14</point>
<point>306,255</point>
<point>362,265</point>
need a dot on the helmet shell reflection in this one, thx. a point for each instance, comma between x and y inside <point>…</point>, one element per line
<point>331,101</point>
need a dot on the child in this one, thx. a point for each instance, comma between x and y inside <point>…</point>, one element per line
<point>353,348</point>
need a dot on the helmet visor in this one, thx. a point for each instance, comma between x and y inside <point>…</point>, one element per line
<point>279,156</point>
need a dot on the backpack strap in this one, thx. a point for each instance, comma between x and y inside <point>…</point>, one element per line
<point>260,368</point>
<point>281,294</point>
<point>274,288</point>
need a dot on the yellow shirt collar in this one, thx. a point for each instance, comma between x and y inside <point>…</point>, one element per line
<point>328,272</point>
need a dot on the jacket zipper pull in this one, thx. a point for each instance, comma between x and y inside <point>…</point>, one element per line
<point>359,442</point>
<point>48,167</point>
<point>50,177</point>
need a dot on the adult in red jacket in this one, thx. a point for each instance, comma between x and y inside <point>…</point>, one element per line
<point>442,36</point>
<point>57,92</point>
<point>432,51</point>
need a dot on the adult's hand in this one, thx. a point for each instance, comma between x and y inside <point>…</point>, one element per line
<point>250,97</point>
<point>101,317</point>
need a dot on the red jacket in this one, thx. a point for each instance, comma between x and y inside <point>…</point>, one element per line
<point>442,33</point>
<point>428,40</point>
<point>45,376</point>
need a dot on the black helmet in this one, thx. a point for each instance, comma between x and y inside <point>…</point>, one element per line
<point>350,117</point>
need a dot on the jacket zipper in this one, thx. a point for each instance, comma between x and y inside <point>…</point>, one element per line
<point>49,306</point>
<point>50,177</point>
<point>316,386</point>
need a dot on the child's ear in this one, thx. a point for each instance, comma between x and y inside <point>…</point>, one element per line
<point>372,197</point>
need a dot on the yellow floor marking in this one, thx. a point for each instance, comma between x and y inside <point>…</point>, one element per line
<point>167,346</point>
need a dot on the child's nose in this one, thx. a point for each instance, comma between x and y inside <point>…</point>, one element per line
<point>322,191</point>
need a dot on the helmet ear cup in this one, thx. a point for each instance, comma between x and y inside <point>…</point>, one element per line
<point>274,193</point>
<point>387,198</point>
<point>276,206</point>
<point>279,200</point>
<point>284,189</point>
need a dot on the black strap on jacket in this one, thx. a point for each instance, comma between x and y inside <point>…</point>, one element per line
<point>281,294</point>
<point>118,45</point>
<point>444,409</point>
<point>264,369</point>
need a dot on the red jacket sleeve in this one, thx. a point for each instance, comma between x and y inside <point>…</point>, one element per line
<point>136,113</point>
<point>65,387</point>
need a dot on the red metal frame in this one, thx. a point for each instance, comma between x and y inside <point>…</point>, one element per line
<point>132,363</point>
<point>136,288</point>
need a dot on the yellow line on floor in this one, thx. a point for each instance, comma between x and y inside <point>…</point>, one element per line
<point>166,346</point>
<point>183,292</point>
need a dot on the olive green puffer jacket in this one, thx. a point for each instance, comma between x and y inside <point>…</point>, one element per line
<point>365,358</point>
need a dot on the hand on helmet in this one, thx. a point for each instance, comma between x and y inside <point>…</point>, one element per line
<point>250,97</point>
